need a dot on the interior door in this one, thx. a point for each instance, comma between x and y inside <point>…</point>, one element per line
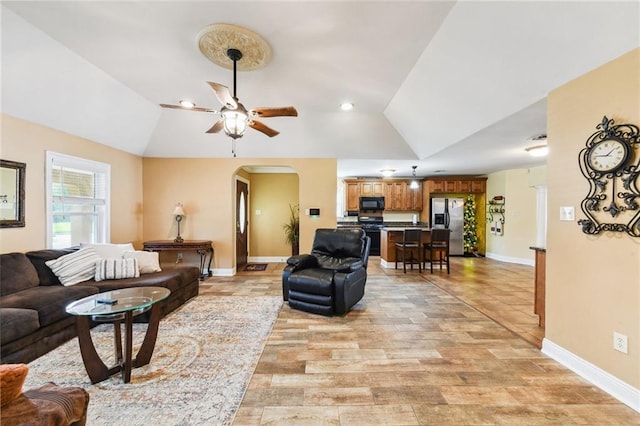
<point>242,224</point>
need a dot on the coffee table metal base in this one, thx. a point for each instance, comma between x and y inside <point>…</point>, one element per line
<point>96,368</point>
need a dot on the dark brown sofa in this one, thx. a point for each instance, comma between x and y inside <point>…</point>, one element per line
<point>33,319</point>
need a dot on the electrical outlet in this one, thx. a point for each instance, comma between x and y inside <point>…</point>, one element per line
<point>620,342</point>
<point>179,256</point>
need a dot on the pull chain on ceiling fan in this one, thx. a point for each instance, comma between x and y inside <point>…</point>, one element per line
<point>235,118</point>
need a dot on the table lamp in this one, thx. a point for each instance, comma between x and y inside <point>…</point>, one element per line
<point>178,212</point>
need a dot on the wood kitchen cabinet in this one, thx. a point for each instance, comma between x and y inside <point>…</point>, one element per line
<point>397,193</point>
<point>388,240</point>
<point>352,193</point>
<point>394,196</point>
<point>414,197</point>
<point>372,188</point>
<point>457,185</point>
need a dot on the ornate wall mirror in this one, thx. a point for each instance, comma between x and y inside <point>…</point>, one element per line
<point>12,175</point>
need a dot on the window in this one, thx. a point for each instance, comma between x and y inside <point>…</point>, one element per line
<point>77,200</point>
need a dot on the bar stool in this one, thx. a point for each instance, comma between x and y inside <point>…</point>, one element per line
<point>439,243</point>
<point>410,244</point>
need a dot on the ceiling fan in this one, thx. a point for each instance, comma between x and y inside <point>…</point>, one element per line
<point>234,116</point>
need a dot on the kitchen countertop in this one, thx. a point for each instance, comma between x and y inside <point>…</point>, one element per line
<point>399,225</point>
<point>402,228</point>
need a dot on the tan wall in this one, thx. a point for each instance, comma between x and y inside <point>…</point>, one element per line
<point>206,187</point>
<point>593,282</point>
<point>271,194</point>
<point>519,228</point>
<point>27,142</point>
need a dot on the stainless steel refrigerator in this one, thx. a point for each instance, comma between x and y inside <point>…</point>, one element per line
<point>449,213</point>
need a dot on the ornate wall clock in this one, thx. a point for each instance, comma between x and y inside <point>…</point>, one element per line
<point>610,162</point>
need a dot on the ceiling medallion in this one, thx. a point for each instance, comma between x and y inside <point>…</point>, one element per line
<point>215,39</point>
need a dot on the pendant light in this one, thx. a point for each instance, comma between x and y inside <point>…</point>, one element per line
<point>414,183</point>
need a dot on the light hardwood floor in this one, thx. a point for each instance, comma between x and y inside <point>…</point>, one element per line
<point>419,349</point>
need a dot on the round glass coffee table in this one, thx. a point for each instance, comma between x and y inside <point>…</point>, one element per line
<point>116,307</point>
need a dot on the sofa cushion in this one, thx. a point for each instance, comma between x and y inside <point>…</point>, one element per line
<point>115,269</point>
<point>76,267</point>
<point>49,301</point>
<point>109,250</point>
<point>39,257</point>
<point>171,278</point>
<point>148,261</point>
<point>16,323</point>
<point>18,273</point>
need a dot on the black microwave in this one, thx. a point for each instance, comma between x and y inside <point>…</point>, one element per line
<point>371,203</point>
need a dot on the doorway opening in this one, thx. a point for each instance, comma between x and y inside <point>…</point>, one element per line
<point>263,200</point>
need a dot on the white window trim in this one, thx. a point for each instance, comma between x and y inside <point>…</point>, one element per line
<point>82,164</point>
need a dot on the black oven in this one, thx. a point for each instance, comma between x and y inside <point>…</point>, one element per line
<point>371,203</point>
<point>373,233</point>
<point>372,226</point>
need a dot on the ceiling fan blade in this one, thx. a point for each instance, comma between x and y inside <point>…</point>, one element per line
<point>188,109</point>
<point>288,111</point>
<point>262,128</point>
<point>223,95</point>
<point>216,127</point>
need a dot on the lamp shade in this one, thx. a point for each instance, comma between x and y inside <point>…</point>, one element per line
<point>178,211</point>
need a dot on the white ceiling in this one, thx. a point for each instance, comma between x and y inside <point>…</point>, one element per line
<point>458,87</point>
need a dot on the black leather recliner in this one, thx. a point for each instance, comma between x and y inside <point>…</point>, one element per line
<point>331,279</point>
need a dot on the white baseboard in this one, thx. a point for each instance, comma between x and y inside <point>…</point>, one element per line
<point>223,272</point>
<point>385,264</point>
<point>520,260</point>
<point>615,387</point>
<point>267,259</point>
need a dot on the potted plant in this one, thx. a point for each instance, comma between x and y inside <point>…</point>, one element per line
<point>292,230</point>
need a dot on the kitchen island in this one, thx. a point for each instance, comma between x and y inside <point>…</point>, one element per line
<point>389,236</point>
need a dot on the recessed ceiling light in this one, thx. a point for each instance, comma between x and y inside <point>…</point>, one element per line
<point>347,106</point>
<point>187,104</point>
<point>387,172</point>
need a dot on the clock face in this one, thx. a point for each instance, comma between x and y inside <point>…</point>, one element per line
<point>608,155</point>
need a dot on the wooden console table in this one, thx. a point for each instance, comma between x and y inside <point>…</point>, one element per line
<point>540,283</point>
<point>203,247</point>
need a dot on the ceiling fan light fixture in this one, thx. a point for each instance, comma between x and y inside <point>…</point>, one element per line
<point>235,122</point>
<point>187,104</point>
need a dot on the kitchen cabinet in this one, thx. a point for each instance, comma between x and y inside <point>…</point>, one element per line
<point>457,185</point>
<point>394,197</point>
<point>398,194</point>
<point>414,196</point>
<point>388,239</point>
<point>372,188</point>
<point>352,192</point>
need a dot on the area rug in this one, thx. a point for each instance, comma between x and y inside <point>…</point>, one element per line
<point>204,357</point>
<point>255,267</point>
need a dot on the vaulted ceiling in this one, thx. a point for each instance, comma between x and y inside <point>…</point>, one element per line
<point>453,87</point>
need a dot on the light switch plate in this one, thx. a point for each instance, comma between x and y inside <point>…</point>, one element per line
<point>567,213</point>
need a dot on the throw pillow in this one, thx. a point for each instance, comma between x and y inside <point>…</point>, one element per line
<point>148,261</point>
<point>12,378</point>
<point>115,269</point>
<point>75,267</point>
<point>109,250</point>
